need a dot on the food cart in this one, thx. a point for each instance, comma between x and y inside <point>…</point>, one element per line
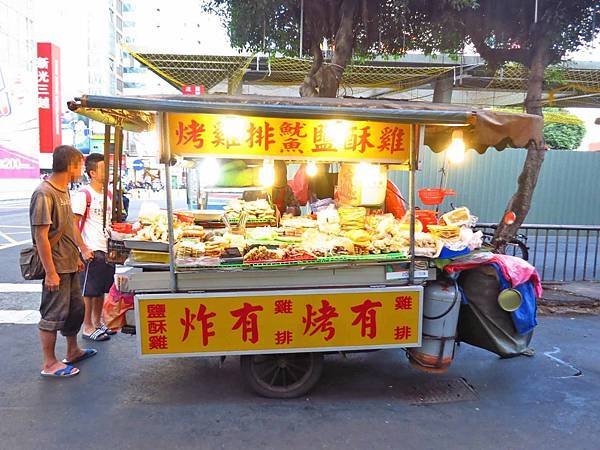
<point>282,314</point>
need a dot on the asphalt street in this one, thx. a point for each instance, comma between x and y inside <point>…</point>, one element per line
<point>367,400</point>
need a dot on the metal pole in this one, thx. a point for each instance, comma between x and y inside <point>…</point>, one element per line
<point>535,15</point>
<point>301,25</point>
<point>116,210</point>
<point>166,154</point>
<point>412,163</point>
<point>106,171</point>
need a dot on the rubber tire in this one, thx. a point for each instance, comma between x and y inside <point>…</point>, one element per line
<point>307,381</point>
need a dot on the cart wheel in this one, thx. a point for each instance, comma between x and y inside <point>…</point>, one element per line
<point>282,375</point>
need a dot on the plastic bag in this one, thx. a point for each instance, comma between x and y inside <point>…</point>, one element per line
<point>116,304</point>
<point>299,185</point>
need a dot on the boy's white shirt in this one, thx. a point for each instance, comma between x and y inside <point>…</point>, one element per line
<point>93,234</point>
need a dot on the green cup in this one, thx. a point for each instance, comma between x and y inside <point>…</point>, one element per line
<point>510,300</point>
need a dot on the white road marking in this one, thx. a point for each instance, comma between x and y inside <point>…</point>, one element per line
<point>20,287</point>
<point>7,237</point>
<point>556,350</point>
<point>21,317</point>
<point>15,226</point>
<point>15,244</point>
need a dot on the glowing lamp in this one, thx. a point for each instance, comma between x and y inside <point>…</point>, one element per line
<point>456,151</point>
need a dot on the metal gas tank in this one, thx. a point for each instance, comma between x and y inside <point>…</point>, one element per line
<point>441,306</point>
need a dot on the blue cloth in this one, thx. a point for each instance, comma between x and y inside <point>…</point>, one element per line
<point>523,318</point>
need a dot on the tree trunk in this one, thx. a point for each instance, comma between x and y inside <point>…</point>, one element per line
<point>442,90</point>
<point>520,203</point>
<point>326,80</point>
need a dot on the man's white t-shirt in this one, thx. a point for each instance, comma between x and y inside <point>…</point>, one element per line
<point>93,233</point>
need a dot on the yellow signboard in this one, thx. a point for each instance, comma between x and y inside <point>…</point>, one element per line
<point>291,139</point>
<point>288,321</point>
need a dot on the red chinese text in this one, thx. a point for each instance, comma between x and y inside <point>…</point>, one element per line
<point>403,302</point>
<point>366,316</point>
<point>157,326</point>
<point>247,321</point>
<point>157,311</point>
<point>283,337</point>
<point>320,320</point>
<point>359,140</point>
<point>192,132</point>
<point>202,318</point>
<point>158,342</point>
<point>402,333</point>
<point>261,136</point>
<point>392,140</point>
<point>320,143</point>
<point>283,306</point>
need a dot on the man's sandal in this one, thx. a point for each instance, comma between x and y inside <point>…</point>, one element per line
<point>87,353</point>
<point>107,330</point>
<point>97,335</point>
<point>67,372</point>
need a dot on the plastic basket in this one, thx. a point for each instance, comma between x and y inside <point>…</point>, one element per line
<point>426,217</point>
<point>434,196</point>
<point>117,252</point>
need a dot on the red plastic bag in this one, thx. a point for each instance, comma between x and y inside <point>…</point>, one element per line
<point>394,202</point>
<point>116,304</point>
<point>299,185</point>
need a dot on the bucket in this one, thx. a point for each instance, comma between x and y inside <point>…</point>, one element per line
<point>426,217</point>
<point>441,306</point>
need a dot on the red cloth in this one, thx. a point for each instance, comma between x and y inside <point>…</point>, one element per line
<point>394,202</point>
<point>516,270</point>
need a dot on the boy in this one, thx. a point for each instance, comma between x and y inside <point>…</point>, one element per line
<point>98,276</point>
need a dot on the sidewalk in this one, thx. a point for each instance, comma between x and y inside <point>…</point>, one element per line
<point>575,297</point>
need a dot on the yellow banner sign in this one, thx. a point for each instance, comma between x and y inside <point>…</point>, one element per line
<point>182,325</point>
<point>303,139</point>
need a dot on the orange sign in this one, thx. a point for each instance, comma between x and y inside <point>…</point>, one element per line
<point>261,322</point>
<point>292,139</point>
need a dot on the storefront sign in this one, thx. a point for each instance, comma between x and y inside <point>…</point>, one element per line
<point>288,321</point>
<point>49,103</point>
<point>193,89</point>
<point>302,139</point>
<point>17,165</point>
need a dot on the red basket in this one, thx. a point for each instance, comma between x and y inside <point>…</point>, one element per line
<point>434,196</point>
<point>426,217</point>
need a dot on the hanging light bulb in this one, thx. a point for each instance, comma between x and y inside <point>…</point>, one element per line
<point>337,131</point>
<point>209,171</point>
<point>311,169</point>
<point>234,127</point>
<point>267,173</point>
<point>456,151</point>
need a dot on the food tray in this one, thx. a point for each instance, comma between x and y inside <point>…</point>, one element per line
<point>149,257</point>
<point>301,259</point>
<point>149,246</point>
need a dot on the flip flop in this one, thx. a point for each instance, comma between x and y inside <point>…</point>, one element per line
<point>87,353</point>
<point>107,330</point>
<point>67,372</point>
<point>97,335</point>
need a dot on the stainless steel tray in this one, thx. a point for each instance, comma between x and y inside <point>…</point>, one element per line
<point>136,244</point>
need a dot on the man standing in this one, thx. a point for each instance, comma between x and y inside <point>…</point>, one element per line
<point>53,235</point>
<point>97,278</point>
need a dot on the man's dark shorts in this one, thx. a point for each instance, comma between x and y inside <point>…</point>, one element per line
<point>98,276</point>
<point>62,310</point>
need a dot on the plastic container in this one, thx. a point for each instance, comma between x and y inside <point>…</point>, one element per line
<point>434,196</point>
<point>426,217</point>
<point>449,254</point>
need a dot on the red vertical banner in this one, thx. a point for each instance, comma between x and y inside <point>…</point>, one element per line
<point>49,101</point>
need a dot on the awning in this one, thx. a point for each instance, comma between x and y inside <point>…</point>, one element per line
<point>481,128</point>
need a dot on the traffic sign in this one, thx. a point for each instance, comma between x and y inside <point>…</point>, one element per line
<point>138,164</point>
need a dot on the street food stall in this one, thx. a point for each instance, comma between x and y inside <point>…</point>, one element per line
<point>282,291</point>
